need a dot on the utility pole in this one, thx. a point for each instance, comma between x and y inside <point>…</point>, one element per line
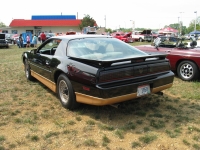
<point>133,26</point>
<point>195,21</point>
<point>105,21</point>
<point>178,25</point>
<point>181,22</point>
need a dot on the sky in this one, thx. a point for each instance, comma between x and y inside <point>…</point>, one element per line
<point>114,14</point>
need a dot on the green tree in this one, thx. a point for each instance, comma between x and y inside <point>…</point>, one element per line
<point>125,29</point>
<point>87,21</point>
<point>2,24</point>
<point>192,24</point>
<point>108,30</point>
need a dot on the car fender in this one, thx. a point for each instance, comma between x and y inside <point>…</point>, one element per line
<point>24,56</point>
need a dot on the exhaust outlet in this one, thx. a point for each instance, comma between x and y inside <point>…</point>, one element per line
<point>116,105</point>
<point>159,93</point>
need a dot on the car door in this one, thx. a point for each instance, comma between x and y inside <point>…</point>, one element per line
<point>41,60</point>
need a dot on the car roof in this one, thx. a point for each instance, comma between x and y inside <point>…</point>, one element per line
<point>81,36</point>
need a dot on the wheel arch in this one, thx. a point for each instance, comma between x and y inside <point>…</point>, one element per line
<point>179,61</point>
<point>57,74</point>
<point>24,57</point>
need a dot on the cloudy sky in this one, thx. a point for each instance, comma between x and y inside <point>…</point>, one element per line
<point>110,13</point>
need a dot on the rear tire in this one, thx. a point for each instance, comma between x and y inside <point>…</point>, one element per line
<point>140,40</point>
<point>188,71</point>
<point>66,93</point>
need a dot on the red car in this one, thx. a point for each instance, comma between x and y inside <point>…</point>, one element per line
<point>126,37</point>
<point>184,56</point>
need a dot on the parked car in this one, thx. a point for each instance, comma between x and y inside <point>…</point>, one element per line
<point>191,36</point>
<point>184,57</point>
<point>14,38</point>
<point>118,35</point>
<point>145,35</point>
<point>70,32</point>
<point>3,42</point>
<point>186,36</point>
<point>155,35</point>
<point>96,69</point>
<point>8,37</point>
<point>126,37</point>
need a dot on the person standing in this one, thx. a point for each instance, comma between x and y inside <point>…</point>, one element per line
<point>27,41</point>
<point>42,37</point>
<point>34,41</point>
<point>20,44</point>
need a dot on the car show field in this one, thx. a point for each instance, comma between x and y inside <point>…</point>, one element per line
<point>32,117</point>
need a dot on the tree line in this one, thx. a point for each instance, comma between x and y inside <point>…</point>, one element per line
<point>89,21</point>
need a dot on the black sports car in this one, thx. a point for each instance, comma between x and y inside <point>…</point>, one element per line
<point>96,69</point>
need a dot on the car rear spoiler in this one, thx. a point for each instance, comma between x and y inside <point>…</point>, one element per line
<point>104,63</point>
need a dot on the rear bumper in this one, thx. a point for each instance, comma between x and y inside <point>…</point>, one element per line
<point>3,45</point>
<point>86,99</point>
<point>109,94</point>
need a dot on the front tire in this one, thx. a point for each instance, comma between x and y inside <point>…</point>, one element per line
<point>28,71</point>
<point>188,71</point>
<point>66,93</point>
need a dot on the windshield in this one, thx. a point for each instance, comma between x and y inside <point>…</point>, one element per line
<point>102,49</point>
<point>166,40</point>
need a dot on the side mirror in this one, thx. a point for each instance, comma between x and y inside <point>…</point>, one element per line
<point>33,51</point>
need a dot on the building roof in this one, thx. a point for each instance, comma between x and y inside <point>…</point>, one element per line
<point>53,17</point>
<point>42,23</point>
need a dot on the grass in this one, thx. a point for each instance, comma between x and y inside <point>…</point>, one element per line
<point>31,116</point>
<point>105,140</point>
<point>147,138</point>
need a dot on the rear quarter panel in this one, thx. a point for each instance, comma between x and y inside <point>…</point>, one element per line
<point>175,55</point>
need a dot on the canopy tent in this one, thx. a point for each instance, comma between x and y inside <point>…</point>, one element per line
<point>167,30</point>
<point>195,32</point>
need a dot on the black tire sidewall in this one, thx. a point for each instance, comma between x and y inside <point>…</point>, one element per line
<point>71,103</point>
<point>27,68</point>
<point>195,75</point>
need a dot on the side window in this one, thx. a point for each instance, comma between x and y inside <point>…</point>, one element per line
<point>50,47</point>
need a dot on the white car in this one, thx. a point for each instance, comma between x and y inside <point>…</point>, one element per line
<point>194,35</point>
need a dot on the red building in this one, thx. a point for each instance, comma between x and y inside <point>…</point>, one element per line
<point>49,23</point>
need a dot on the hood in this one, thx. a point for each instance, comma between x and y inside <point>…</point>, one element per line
<point>128,33</point>
<point>2,36</point>
<point>71,33</point>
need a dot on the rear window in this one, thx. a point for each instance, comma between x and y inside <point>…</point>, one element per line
<point>102,49</point>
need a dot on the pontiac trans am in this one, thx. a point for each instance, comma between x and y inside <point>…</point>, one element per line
<point>96,70</point>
